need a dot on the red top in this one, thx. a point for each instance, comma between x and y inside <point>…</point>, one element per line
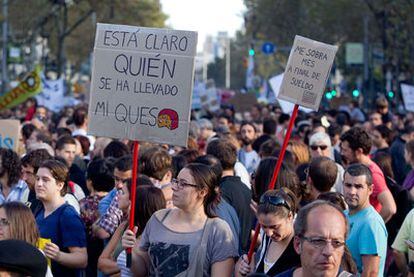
<point>379,184</point>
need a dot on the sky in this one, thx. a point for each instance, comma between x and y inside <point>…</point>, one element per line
<point>205,16</point>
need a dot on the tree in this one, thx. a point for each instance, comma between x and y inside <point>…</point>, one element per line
<point>390,25</point>
<point>394,19</point>
<point>70,25</point>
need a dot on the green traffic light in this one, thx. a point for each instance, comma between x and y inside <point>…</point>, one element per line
<point>355,93</point>
<point>328,95</point>
<point>251,52</point>
<point>333,93</point>
<point>391,94</point>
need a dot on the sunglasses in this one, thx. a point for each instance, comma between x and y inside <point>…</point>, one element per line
<point>315,147</point>
<point>274,200</point>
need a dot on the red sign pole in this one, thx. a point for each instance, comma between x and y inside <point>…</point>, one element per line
<point>132,195</point>
<point>275,174</point>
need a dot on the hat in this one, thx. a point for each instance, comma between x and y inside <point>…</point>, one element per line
<point>21,257</point>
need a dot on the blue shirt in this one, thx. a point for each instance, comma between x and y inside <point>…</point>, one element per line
<point>106,201</point>
<point>367,236</point>
<point>16,193</point>
<point>65,228</point>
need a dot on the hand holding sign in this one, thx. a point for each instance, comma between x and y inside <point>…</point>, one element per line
<point>303,85</point>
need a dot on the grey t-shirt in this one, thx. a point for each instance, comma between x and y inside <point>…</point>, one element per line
<point>170,252</point>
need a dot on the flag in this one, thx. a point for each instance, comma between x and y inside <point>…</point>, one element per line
<point>250,73</point>
<point>28,87</point>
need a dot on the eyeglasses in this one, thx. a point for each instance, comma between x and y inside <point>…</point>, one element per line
<point>322,242</point>
<point>315,147</point>
<point>180,184</point>
<point>274,200</point>
<point>4,222</point>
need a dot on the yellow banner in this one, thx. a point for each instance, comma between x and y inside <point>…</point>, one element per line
<point>29,87</point>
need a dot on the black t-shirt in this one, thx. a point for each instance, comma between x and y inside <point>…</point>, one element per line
<point>404,204</point>
<point>239,196</point>
<point>34,204</point>
<point>77,176</point>
<point>288,259</point>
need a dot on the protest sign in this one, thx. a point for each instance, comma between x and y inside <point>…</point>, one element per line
<point>306,72</point>
<point>28,87</point>
<point>52,95</point>
<point>9,134</point>
<point>408,97</point>
<point>142,82</point>
<point>287,107</point>
<point>209,99</point>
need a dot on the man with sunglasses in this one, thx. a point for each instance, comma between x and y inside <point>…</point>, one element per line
<point>320,146</point>
<point>320,232</point>
<point>367,239</point>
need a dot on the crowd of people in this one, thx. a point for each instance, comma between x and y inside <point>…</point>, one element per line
<point>341,205</point>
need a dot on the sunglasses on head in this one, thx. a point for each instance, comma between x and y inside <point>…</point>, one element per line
<point>274,200</point>
<point>315,147</point>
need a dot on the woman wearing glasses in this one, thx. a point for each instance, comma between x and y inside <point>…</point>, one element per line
<point>276,254</point>
<point>188,240</point>
<point>320,146</point>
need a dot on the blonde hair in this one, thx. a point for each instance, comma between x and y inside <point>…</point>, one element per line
<point>22,224</point>
<point>300,151</point>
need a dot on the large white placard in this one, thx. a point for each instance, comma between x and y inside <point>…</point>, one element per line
<point>408,97</point>
<point>306,72</point>
<point>142,80</point>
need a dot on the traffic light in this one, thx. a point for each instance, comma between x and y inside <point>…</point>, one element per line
<point>390,94</point>
<point>333,93</point>
<point>328,95</point>
<point>355,93</point>
<point>251,52</point>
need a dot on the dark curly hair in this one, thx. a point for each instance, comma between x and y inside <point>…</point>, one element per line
<point>358,138</point>
<point>10,164</point>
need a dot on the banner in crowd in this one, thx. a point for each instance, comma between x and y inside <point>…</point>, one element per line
<point>243,102</point>
<point>52,95</point>
<point>287,107</point>
<point>142,81</point>
<point>250,72</point>
<point>408,97</point>
<point>9,134</point>
<point>28,87</point>
<point>306,72</point>
<point>196,101</point>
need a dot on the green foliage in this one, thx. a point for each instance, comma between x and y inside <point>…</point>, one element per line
<point>390,26</point>
<point>48,20</point>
